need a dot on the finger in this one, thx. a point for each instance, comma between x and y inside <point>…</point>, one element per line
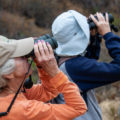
<point>36,51</point>
<point>94,19</point>
<point>101,17</point>
<point>49,48</point>
<point>45,47</point>
<point>40,48</point>
<point>106,16</point>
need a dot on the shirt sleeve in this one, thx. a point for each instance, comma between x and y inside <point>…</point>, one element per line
<point>44,91</point>
<point>74,104</point>
<point>112,42</point>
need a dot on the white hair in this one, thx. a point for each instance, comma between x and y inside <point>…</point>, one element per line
<point>7,68</point>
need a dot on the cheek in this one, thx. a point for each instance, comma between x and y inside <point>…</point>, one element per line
<point>21,70</point>
<point>24,68</point>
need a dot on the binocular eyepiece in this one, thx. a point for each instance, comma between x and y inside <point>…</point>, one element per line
<point>92,25</point>
<point>46,38</point>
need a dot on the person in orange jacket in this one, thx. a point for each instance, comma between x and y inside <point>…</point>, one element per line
<point>33,104</point>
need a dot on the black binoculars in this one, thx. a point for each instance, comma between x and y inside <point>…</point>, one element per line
<point>92,25</point>
<point>46,38</point>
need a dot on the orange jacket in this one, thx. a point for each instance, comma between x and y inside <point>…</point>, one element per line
<point>32,105</point>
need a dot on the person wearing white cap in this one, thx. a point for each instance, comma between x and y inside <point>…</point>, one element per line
<point>18,103</point>
<point>71,31</point>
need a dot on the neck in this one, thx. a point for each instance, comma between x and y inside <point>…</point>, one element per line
<point>5,92</point>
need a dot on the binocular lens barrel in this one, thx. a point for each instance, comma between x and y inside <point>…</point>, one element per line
<point>50,40</point>
<point>46,38</point>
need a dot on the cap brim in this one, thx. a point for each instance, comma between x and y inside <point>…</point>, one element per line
<point>23,47</point>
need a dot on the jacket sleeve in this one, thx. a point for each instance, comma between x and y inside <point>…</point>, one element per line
<point>42,92</point>
<point>113,45</point>
<point>73,107</point>
<point>89,74</point>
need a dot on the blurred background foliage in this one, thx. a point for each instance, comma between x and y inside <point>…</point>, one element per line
<point>26,18</point>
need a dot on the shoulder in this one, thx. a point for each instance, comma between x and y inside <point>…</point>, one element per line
<point>79,62</point>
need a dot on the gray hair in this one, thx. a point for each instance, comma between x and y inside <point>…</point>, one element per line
<point>7,68</point>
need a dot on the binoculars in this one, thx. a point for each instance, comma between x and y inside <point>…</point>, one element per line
<point>46,38</point>
<point>92,25</point>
